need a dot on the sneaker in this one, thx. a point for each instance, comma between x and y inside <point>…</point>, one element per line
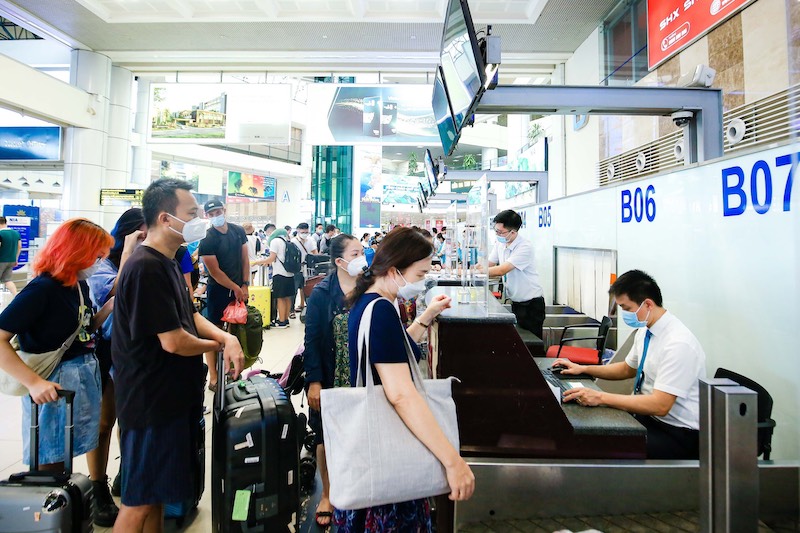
<point>281,325</point>
<point>105,510</point>
<point>116,487</point>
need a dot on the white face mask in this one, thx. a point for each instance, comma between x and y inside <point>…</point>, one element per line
<point>218,221</point>
<point>409,290</point>
<point>356,266</point>
<point>193,230</point>
<point>87,273</point>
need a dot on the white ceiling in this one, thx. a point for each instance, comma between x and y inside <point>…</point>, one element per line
<point>304,35</point>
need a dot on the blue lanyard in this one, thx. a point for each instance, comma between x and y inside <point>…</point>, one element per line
<point>639,371</point>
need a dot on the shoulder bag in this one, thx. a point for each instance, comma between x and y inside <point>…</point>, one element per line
<point>41,363</point>
<point>373,458</point>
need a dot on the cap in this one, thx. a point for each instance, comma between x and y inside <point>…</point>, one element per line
<point>212,204</point>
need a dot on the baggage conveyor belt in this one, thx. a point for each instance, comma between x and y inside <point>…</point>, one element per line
<point>674,522</point>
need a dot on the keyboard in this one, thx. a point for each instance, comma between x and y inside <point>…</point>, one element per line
<point>564,383</point>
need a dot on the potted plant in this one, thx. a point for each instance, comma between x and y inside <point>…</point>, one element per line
<point>412,163</point>
<point>470,163</point>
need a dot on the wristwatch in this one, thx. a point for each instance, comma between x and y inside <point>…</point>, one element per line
<point>246,283</point>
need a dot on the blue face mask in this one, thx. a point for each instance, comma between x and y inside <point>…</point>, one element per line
<point>630,318</point>
<point>218,221</point>
<point>502,240</point>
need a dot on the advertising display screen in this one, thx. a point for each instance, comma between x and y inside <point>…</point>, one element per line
<point>366,114</point>
<point>251,186</point>
<point>461,62</point>
<point>443,113</point>
<point>30,143</point>
<point>672,25</point>
<point>215,113</point>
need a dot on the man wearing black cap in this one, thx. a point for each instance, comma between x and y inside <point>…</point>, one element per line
<point>227,261</point>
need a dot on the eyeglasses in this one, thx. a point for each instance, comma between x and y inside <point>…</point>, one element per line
<point>502,233</point>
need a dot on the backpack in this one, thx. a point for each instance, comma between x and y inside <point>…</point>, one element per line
<point>293,259</point>
<point>250,335</point>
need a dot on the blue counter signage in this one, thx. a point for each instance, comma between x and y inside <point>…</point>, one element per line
<point>545,217</point>
<point>24,220</point>
<point>639,204</point>
<point>735,196</point>
<point>30,143</point>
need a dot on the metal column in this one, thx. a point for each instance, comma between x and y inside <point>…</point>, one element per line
<point>728,461</point>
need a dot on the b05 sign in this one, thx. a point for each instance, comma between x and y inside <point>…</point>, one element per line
<point>758,185</point>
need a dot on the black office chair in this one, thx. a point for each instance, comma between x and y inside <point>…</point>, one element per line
<point>766,425</point>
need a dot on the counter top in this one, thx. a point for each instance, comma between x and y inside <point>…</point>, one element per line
<point>595,420</point>
<point>471,312</point>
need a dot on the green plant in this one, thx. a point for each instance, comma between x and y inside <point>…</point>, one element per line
<point>535,132</point>
<point>470,163</point>
<point>412,163</point>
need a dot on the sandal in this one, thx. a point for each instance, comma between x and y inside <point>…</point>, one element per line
<point>212,387</point>
<point>298,309</point>
<point>323,514</point>
<point>292,315</point>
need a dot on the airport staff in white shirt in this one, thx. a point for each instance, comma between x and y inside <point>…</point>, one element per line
<point>512,257</point>
<point>667,362</point>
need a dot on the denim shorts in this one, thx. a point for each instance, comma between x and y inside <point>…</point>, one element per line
<point>82,375</point>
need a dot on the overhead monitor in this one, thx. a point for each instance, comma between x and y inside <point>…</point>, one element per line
<point>431,171</point>
<point>443,113</point>
<point>461,62</point>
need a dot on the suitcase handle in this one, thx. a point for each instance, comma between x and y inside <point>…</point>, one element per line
<point>69,396</point>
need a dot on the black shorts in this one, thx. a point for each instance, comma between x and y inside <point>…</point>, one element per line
<point>159,463</point>
<point>283,286</point>
<point>102,351</point>
<point>299,281</point>
<point>217,299</point>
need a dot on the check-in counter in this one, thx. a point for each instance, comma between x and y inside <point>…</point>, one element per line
<point>506,409</point>
<point>505,406</point>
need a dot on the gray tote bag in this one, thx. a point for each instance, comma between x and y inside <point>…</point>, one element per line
<point>373,458</point>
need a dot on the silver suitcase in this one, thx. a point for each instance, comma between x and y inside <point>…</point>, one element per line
<point>37,501</point>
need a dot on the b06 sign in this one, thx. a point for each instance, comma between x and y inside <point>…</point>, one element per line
<point>758,185</point>
<point>638,205</point>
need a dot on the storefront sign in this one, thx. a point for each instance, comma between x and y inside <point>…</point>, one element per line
<point>672,25</point>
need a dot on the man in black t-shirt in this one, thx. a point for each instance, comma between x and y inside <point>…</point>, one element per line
<point>157,344</point>
<point>226,257</point>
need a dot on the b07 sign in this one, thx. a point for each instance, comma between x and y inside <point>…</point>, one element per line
<point>674,24</point>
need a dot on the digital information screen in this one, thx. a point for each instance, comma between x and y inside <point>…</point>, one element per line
<point>443,115</point>
<point>462,72</point>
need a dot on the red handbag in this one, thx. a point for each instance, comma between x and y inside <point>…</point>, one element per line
<point>235,313</point>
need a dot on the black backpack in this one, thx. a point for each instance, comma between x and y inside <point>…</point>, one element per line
<point>293,259</point>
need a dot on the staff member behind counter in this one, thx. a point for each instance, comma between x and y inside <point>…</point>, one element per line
<point>667,361</point>
<point>512,257</point>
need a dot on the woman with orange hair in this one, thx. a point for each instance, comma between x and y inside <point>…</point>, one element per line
<point>45,315</point>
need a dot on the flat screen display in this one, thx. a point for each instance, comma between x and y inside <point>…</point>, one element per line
<point>461,61</point>
<point>430,172</point>
<point>443,114</point>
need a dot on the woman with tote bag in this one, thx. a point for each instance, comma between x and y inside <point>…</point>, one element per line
<point>398,269</point>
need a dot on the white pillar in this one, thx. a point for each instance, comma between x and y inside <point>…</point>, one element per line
<point>85,148</point>
<point>557,170</point>
<point>118,148</point>
<point>488,158</point>
<point>142,155</point>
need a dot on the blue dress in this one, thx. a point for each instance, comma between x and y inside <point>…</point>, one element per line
<point>386,346</point>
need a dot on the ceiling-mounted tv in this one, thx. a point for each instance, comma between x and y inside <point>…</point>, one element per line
<point>443,113</point>
<point>431,172</point>
<point>461,62</point>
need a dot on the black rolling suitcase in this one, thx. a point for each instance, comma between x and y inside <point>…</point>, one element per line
<point>255,457</point>
<point>38,501</point>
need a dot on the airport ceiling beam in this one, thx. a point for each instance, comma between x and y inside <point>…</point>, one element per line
<point>703,127</point>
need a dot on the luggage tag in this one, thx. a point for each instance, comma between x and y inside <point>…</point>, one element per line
<point>241,506</point>
<point>248,443</point>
